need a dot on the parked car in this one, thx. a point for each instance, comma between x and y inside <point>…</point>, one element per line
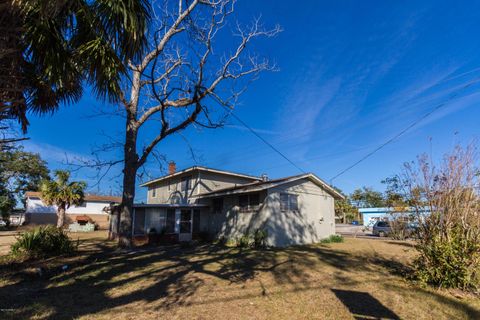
<point>2,223</point>
<point>384,228</point>
<point>381,229</point>
<point>17,220</point>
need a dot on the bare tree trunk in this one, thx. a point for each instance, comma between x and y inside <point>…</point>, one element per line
<point>179,90</point>
<point>61,216</point>
<point>129,179</point>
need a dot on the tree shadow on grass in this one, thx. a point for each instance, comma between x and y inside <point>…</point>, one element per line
<point>108,278</point>
<point>470,312</point>
<point>167,277</point>
<point>363,306</point>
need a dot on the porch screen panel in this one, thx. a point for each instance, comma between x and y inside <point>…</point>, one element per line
<point>170,226</point>
<point>139,226</point>
<point>196,221</point>
<point>155,220</point>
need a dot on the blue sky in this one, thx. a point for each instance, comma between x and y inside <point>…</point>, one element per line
<point>352,74</point>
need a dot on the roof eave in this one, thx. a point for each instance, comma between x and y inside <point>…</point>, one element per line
<point>205,169</point>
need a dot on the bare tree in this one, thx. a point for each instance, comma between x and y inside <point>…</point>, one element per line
<point>446,202</point>
<point>183,81</point>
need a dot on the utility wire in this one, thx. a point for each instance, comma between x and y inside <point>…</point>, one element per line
<point>263,139</point>
<point>398,135</point>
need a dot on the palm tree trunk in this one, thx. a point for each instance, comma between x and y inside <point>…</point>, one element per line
<point>61,216</point>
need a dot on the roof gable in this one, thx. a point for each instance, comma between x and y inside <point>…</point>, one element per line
<point>263,185</point>
<point>199,168</point>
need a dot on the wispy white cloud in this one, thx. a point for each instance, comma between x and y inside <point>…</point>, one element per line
<point>55,154</point>
<point>301,110</point>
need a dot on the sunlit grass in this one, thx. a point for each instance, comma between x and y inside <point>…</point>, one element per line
<point>213,282</point>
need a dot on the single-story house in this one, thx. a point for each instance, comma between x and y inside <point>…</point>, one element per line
<point>95,207</point>
<point>222,204</point>
<point>372,215</point>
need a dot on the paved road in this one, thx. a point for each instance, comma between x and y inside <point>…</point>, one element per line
<point>349,230</point>
<point>6,239</point>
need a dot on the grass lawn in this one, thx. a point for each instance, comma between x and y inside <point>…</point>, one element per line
<point>357,279</point>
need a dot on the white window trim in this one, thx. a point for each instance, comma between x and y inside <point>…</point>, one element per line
<point>249,207</point>
<point>289,209</point>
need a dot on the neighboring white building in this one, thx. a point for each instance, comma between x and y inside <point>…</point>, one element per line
<point>293,210</point>
<point>94,206</point>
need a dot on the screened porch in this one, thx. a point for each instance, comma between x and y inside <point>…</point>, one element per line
<point>174,222</point>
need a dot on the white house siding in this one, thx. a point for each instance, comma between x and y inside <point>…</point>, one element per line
<point>35,205</point>
<point>314,220</point>
<point>39,213</point>
<point>211,181</point>
<point>201,182</point>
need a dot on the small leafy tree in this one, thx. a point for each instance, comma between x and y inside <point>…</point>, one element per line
<point>446,202</point>
<point>7,203</point>
<point>62,193</point>
<point>367,197</point>
<point>344,208</point>
<point>20,171</point>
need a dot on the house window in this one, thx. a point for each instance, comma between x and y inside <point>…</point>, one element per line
<point>283,201</point>
<point>249,202</point>
<point>154,192</point>
<point>293,202</point>
<point>288,202</point>
<point>218,205</point>
<point>185,183</point>
<point>81,205</point>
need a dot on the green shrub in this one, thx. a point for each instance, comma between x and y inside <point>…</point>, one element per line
<point>43,242</point>
<point>334,238</point>
<point>452,264</point>
<point>244,241</point>
<point>229,242</point>
<point>260,238</point>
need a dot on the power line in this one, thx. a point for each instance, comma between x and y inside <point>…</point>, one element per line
<point>441,105</point>
<point>264,141</point>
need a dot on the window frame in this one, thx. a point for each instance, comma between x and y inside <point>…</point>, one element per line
<point>249,207</point>
<point>287,207</point>
<point>185,183</point>
<point>217,205</point>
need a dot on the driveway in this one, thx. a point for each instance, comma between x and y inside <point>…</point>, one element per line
<point>6,239</point>
<point>350,230</point>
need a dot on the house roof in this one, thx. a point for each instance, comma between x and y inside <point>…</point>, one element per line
<point>263,185</point>
<point>88,197</point>
<point>168,205</point>
<point>392,209</point>
<point>199,168</point>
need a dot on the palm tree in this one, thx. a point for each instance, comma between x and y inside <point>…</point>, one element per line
<point>50,48</point>
<point>62,193</point>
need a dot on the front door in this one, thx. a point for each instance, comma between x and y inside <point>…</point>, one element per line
<point>185,233</point>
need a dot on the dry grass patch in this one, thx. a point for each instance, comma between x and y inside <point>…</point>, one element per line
<point>360,277</point>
